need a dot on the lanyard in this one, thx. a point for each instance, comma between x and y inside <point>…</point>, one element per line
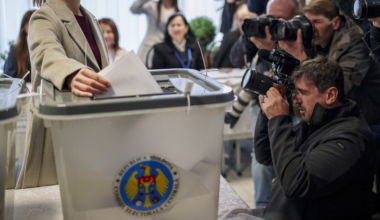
<point>181,61</point>
<point>114,56</point>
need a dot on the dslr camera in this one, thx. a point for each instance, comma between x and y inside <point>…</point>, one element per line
<point>364,9</point>
<point>256,26</point>
<point>283,66</point>
<point>287,30</point>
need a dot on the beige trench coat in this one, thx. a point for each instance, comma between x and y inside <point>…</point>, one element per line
<point>57,49</point>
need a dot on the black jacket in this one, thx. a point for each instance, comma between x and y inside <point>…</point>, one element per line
<point>164,57</point>
<point>222,57</point>
<point>372,39</point>
<point>324,170</point>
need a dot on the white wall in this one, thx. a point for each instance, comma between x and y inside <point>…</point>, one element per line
<point>132,28</point>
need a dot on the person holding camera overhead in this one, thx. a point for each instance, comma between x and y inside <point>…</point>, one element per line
<point>62,34</point>
<point>262,175</point>
<point>158,13</point>
<point>179,49</point>
<point>324,166</point>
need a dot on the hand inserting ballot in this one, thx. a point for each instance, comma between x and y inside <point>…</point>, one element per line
<point>86,83</point>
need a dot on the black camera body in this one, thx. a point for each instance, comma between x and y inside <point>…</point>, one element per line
<point>364,9</point>
<point>283,66</point>
<point>256,26</point>
<point>287,30</point>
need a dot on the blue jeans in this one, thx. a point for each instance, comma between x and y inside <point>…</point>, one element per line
<point>262,175</point>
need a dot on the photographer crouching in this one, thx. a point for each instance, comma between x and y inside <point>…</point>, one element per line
<point>324,165</point>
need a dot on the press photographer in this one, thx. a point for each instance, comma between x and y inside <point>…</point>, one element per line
<point>324,165</point>
<point>340,39</point>
<point>262,175</point>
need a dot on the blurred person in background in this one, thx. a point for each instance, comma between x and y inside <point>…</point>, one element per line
<point>222,58</point>
<point>158,13</point>
<point>18,62</point>
<point>111,34</point>
<point>229,9</point>
<point>62,34</point>
<point>179,50</point>
<point>262,175</point>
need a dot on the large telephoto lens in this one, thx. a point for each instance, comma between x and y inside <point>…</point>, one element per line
<point>364,9</point>
<point>287,30</point>
<point>256,26</point>
<point>256,82</point>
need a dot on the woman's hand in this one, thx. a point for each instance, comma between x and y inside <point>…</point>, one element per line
<point>86,83</point>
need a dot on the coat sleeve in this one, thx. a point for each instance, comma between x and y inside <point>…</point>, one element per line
<point>10,67</point>
<point>158,61</point>
<point>338,159</point>
<point>239,49</point>
<point>261,140</point>
<point>355,64</point>
<point>46,51</point>
<point>140,7</point>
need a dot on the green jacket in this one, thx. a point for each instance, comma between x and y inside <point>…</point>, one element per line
<point>361,72</point>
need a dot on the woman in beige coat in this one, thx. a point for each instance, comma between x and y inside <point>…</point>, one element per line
<point>61,32</point>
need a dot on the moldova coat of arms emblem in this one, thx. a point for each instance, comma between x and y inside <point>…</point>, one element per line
<point>146,185</point>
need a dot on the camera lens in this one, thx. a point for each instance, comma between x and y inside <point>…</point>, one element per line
<point>250,27</point>
<point>357,9</point>
<point>364,9</point>
<point>256,26</point>
<point>280,30</point>
<point>256,82</point>
<point>287,30</point>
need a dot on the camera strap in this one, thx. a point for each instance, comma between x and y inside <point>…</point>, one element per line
<point>187,66</point>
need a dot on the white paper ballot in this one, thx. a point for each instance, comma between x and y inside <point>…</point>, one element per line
<point>129,77</point>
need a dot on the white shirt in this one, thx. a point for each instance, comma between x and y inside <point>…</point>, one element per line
<point>180,47</point>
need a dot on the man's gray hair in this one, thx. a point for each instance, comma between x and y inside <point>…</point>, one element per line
<point>322,72</point>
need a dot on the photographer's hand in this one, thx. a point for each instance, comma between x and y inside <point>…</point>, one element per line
<point>375,21</point>
<point>274,104</point>
<point>296,49</point>
<point>265,43</point>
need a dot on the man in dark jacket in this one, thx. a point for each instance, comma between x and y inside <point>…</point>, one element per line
<point>372,39</point>
<point>340,39</point>
<point>262,175</point>
<point>324,166</point>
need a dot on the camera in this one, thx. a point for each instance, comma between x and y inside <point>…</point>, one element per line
<point>256,26</point>
<point>287,30</point>
<point>283,66</point>
<point>363,9</point>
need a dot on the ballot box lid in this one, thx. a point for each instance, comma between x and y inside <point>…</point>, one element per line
<point>206,91</point>
<point>9,90</point>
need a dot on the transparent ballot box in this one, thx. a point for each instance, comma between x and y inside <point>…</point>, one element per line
<point>11,108</point>
<point>154,156</point>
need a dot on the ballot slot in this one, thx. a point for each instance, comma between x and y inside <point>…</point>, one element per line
<point>172,83</point>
